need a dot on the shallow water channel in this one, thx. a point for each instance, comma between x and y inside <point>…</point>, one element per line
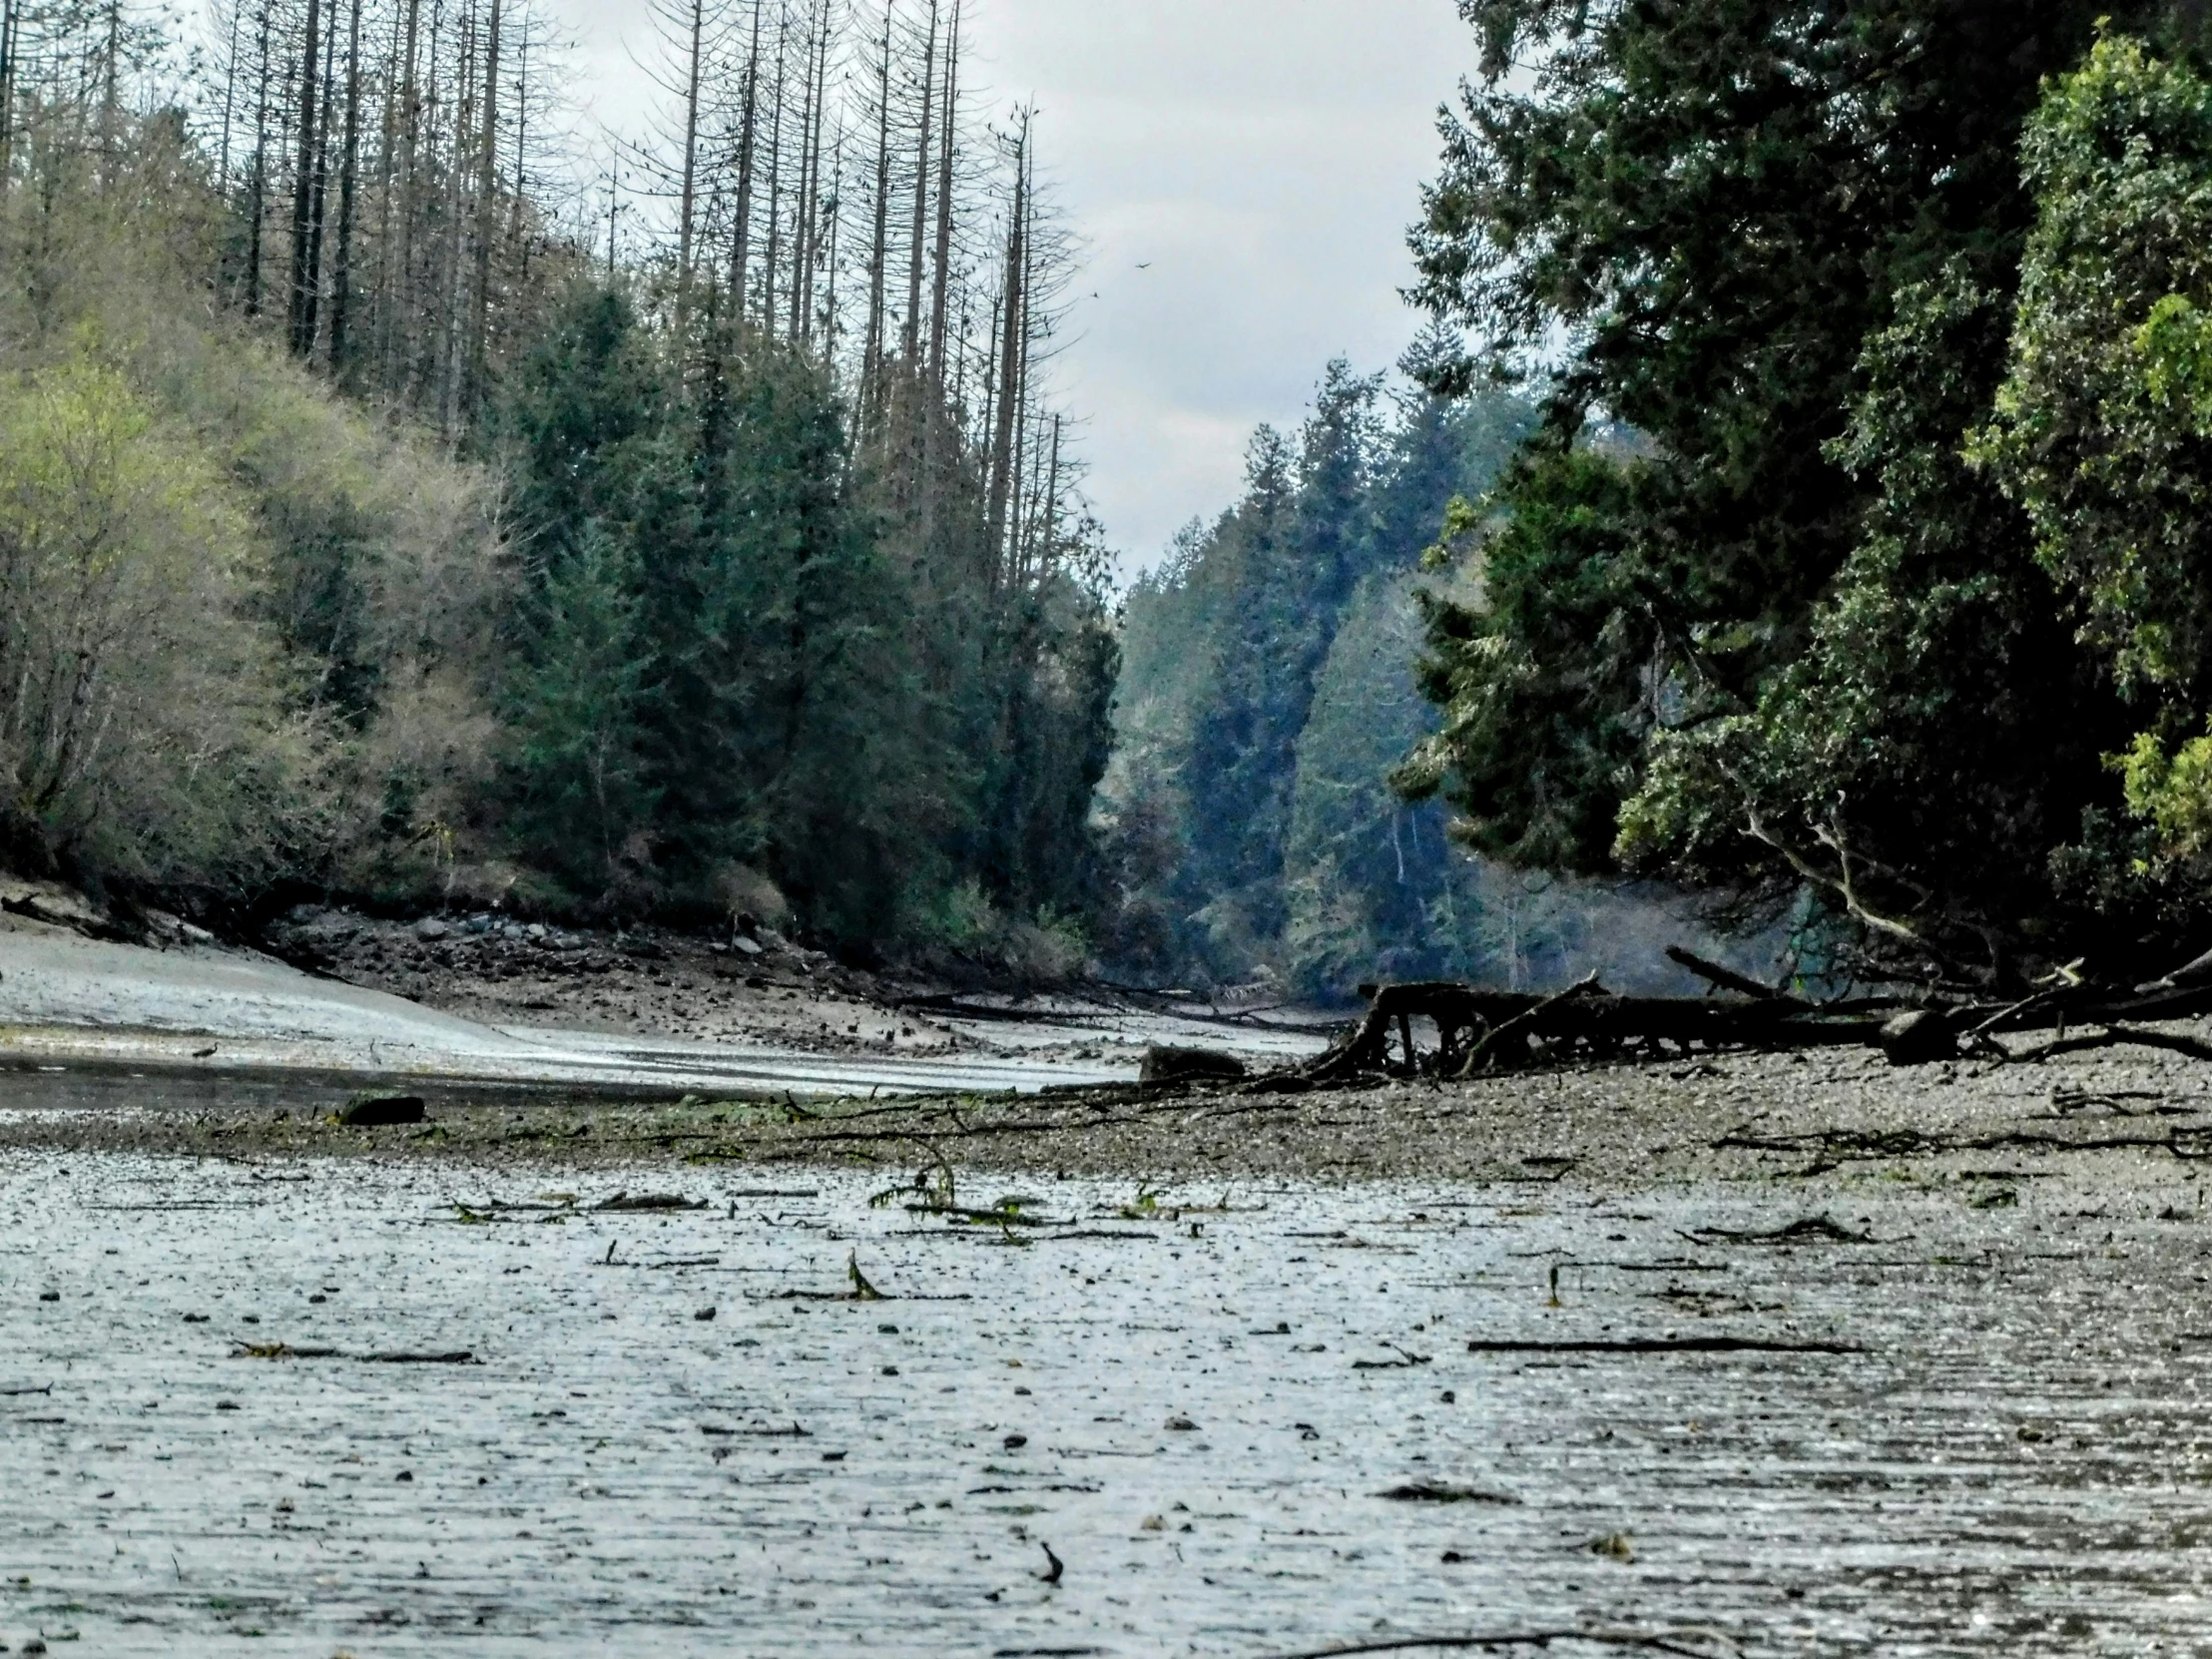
<point>1197,1415</point>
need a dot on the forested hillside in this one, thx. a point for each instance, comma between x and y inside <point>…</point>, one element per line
<point>1268,693</point>
<point>1900,597</point>
<point>381,518</point>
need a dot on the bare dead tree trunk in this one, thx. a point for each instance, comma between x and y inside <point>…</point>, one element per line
<point>828,309</point>
<point>927,129</point>
<point>774,180</point>
<point>940,298</point>
<point>399,331</point>
<point>812,241</point>
<point>260,188</point>
<point>691,167</point>
<point>229,91</point>
<point>487,210</point>
<point>312,296</point>
<point>303,191</point>
<point>1050,545</point>
<point>11,27</point>
<point>872,360</point>
<point>741,240</point>
<point>1008,394</point>
<point>517,244</point>
<point>614,208</point>
<point>341,277</point>
<point>808,158</point>
<point>451,341</point>
<point>110,98</point>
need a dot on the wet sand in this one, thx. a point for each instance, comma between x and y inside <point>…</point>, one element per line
<point>1768,1356</point>
<point>510,1005</point>
<point>1943,1427</point>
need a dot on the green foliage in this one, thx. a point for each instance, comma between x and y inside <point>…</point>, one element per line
<point>2172,793</point>
<point>669,648</point>
<point>1374,889</point>
<point>577,690</point>
<point>1940,732</point>
<point>1545,675</point>
<point>1779,633</point>
<point>1249,822</point>
<point>143,731</point>
<point>728,665</point>
<point>2098,431</point>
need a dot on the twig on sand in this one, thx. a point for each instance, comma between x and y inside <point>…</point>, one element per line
<point>285,1350</point>
<point>1633,1640</point>
<point>1797,1232</point>
<point>2114,1036</point>
<point>1666,1345</point>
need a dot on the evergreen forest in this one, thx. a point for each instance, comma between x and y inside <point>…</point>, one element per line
<point>384,515</point>
<point>1860,555</point>
<point>1796,501</point>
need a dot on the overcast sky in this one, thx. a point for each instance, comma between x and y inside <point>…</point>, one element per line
<point>1262,158</point>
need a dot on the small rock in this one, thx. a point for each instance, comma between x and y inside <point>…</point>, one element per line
<point>1181,1426</point>
<point>750,948</point>
<point>1919,1038</point>
<point>890,1370</point>
<point>1166,1064</point>
<point>404,1475</point>
<point>50,1296</point>
<point>431,929</point>
<point>704,1316</point>
<point>1014,1442</point>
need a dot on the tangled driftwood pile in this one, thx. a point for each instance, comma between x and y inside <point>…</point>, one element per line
<point>1470,1032</point>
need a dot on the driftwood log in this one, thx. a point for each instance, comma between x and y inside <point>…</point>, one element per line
<point>1479,1030</point>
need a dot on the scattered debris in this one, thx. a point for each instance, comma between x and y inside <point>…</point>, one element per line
<point>285,1350</point>
<point>1811,1227</point>
<point>625,1203</point>
<point>1432,1491</point>
<point>1665,1344</point>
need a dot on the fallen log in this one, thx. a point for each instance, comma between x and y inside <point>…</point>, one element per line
<point>1479,1030</point>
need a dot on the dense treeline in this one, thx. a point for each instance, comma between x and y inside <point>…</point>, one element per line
<point>1858,550</point>
<point>721,550</point>
<point>1228,646</point>
<point>1268,694</point>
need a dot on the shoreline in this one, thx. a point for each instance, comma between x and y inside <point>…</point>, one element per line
<point>659,1015</point>
<point>2129,1120</point>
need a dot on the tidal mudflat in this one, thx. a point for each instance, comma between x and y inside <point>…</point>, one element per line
<point>1851,1413</point>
